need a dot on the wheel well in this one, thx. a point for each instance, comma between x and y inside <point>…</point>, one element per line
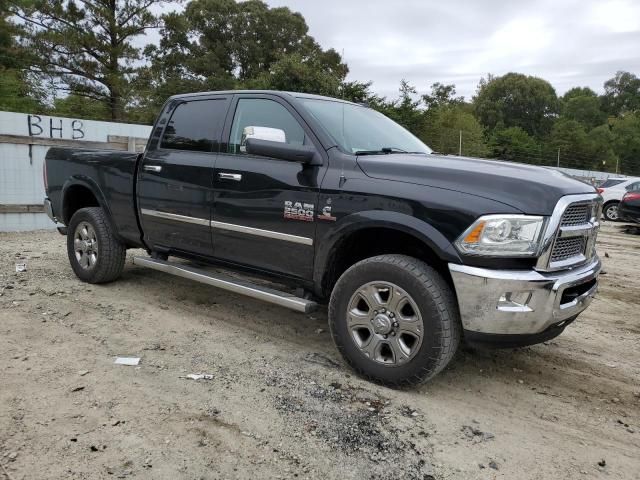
<point>610,202</point>
<point>370,242</point>
<point>75,198</point>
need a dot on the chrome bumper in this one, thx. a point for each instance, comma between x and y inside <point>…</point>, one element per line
<point>522,302</point>
<point>48,209</point>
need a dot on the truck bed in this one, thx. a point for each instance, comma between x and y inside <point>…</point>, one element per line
<point>109,174</point>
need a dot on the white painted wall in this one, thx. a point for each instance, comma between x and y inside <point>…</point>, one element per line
<point>43,126</point>
<point>21,173</point>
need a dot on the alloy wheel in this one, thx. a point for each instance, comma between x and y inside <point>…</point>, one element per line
<point>385,323</point>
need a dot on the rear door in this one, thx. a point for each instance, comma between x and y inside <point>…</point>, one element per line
<point>175,193</point>
<point>265,208</point>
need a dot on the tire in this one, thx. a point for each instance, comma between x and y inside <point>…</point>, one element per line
<point>95,254</point>
<point>417,293</point>
<point>610,211</point>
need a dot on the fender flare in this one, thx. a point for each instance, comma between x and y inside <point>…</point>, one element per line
<point>419,229</point>
<point>94,188</point>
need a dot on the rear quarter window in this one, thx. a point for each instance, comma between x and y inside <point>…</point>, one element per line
<point>634,187</point>
<point>611,183</point>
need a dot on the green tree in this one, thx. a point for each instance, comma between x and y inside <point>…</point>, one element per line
<point>87,46</point>
<point>621,94</point>
<point>405,110</point>
<point>516,145</point>
<point>516,100</point>
<point>18,90</point>
<point>578,92</point>
<point>583,105</point>
<point>17,94</point>
<point>606,158</point>
<point>576,148</point>
<point>221,44</point>
<point>79,106</point>
<point>584,110</point>
<point>358,92</point>
<point>441,95</point>
<point>297,73</point>
<point>443,128</point>
<point>626,143</point>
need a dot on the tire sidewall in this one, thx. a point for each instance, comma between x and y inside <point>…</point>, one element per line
<point>425,362</point>
<point>95,274</point>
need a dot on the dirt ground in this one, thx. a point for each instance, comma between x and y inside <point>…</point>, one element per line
<point>281,404</point>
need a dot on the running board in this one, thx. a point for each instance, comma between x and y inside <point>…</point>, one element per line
<point>228,283</point>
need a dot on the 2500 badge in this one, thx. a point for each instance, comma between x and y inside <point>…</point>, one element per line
<point>299,211</point>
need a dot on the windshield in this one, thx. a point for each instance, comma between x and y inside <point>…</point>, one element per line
<point>361,129</point>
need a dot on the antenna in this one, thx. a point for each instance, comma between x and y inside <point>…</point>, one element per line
<point>343,83</point>
<point>342,177</point>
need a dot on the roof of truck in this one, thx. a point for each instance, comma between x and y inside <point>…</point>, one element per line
<point>273,92</point>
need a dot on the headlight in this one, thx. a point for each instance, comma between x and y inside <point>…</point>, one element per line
<point>503,236</point>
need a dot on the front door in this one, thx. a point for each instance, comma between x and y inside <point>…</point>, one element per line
<point>174,186</point>
<point>265,208</point>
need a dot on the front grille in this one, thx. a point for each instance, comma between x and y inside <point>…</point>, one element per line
<point>577,214</point>
<point>566,248</point>
<point>575,234</point>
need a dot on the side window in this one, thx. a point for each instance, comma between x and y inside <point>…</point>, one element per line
<point>634,187</point>
<point>195,125</point>
<point>258,112</point>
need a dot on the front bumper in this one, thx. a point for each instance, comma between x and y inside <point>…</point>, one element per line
<point>528,303</point>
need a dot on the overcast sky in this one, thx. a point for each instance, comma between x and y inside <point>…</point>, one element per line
<point>567,42</point>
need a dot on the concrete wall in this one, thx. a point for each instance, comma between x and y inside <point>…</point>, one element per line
<point>24,141</point>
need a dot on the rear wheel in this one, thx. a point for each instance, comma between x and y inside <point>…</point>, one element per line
<point>611,211</point>
<point>95,254</point>
<point>394,319</point>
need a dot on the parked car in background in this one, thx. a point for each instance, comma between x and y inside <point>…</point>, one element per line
<point>612,191</point>
<point>629,207</point>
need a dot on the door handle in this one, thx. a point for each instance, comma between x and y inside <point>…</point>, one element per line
<point>152,168</point>
<point>236,177</point>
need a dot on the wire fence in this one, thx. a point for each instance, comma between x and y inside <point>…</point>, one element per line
<point>474,144</point>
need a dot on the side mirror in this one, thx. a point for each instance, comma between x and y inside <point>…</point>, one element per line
<point>283,151</point>
<point>261,133</point>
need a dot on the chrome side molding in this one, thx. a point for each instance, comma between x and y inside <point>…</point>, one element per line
<point>262,233</point>
<point>231,227</point>
<point>174,216</point>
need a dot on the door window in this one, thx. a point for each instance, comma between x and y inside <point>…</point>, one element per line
<point>259,112</point>
<point>195,126</point>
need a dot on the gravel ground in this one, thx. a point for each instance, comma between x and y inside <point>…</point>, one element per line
<point>281,404</point>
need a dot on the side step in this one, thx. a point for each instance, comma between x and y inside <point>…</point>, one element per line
<point>228,283</point>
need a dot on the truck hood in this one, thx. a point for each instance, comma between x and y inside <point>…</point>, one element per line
<point>530,189</point>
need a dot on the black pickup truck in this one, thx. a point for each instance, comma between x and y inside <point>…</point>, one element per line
<point>413,251</point>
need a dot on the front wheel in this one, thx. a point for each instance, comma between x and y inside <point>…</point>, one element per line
<point>394,319</point>
<point>95,254</point>
<point>611,211</point>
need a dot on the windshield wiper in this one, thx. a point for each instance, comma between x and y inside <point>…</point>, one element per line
<point>382,151</point>
<point>387,151</point>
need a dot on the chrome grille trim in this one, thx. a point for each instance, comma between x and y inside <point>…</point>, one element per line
<point>572,230</point>
<point>565,248</point>
<point>576,214</point>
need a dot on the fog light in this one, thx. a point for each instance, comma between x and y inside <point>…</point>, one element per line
<point>515,302</point>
